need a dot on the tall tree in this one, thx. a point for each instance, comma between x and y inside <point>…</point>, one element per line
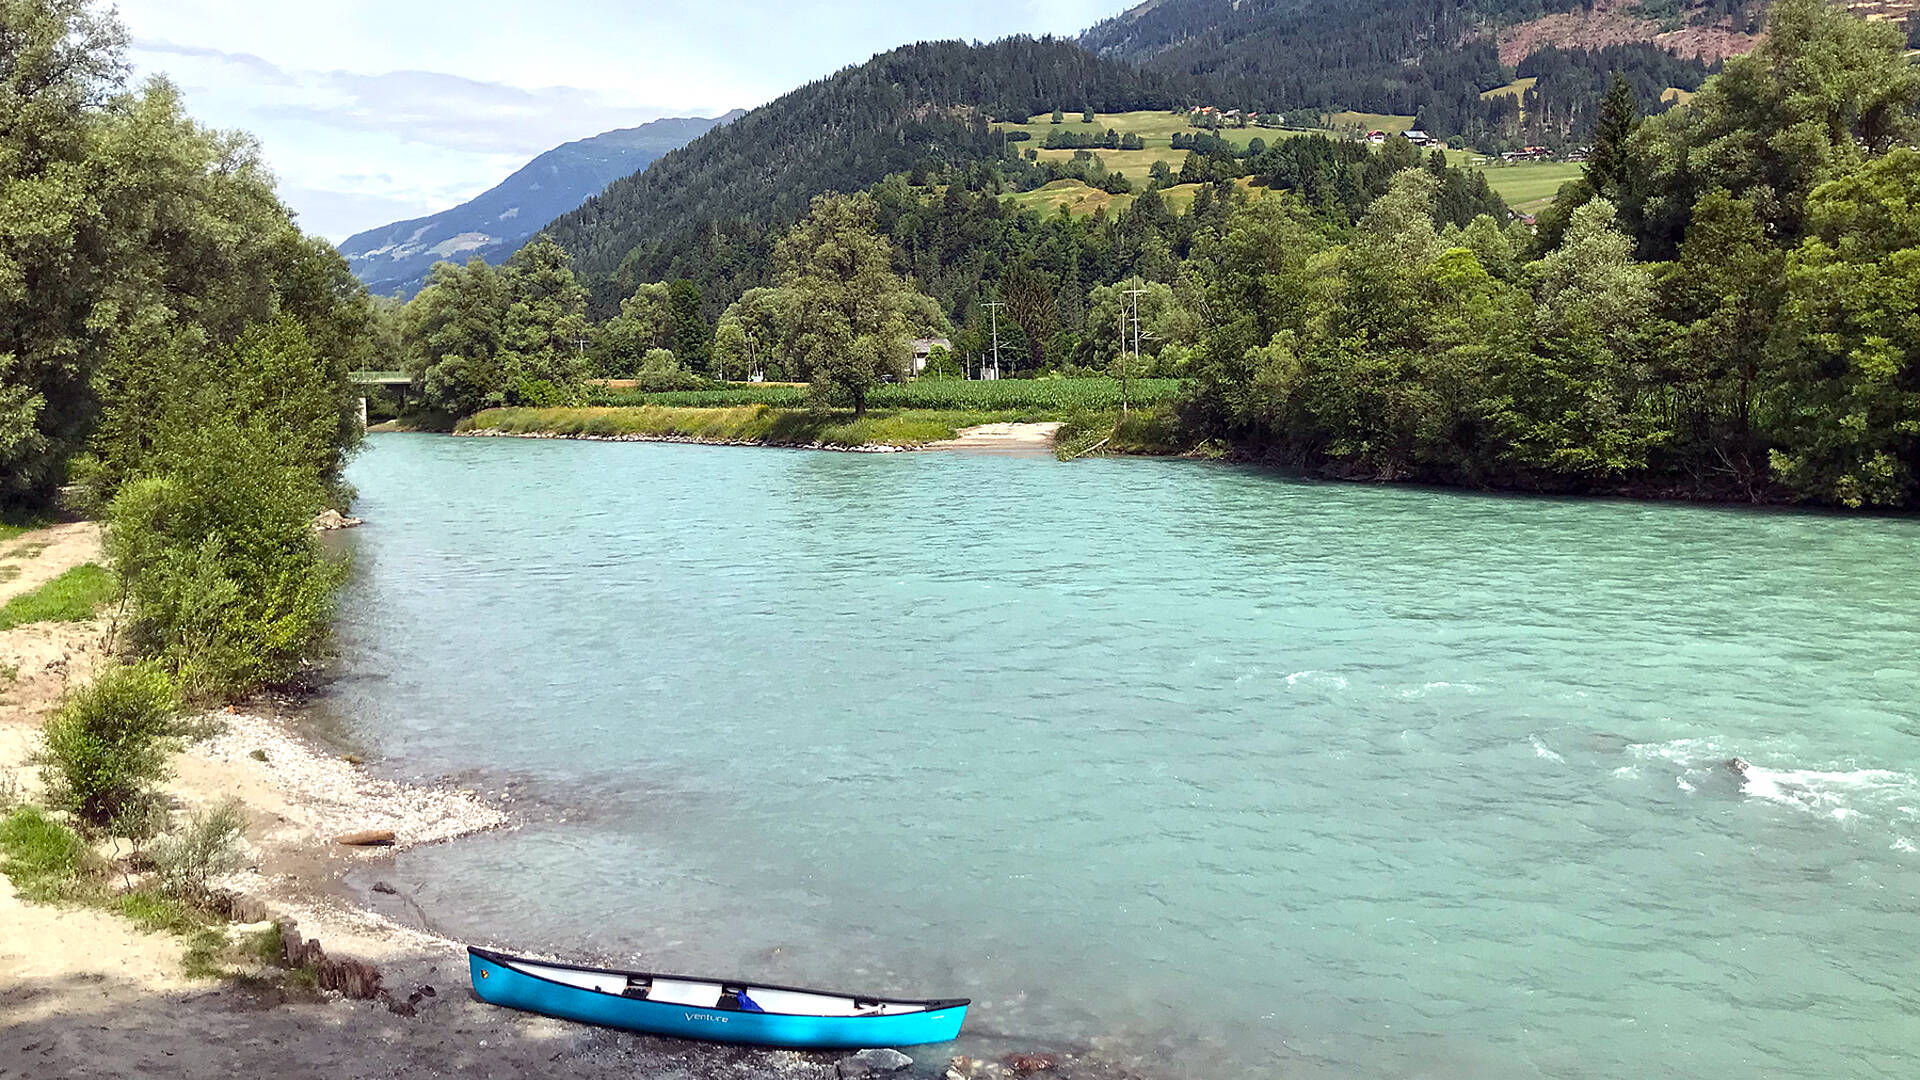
<point>692,336</point>
<point>854,316</point>
<point>1608,169</point>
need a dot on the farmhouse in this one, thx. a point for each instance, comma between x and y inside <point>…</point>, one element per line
<point>923,348</point>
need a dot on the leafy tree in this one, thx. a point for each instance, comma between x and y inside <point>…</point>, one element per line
<point>455,329</point>
<point>1844,396</point>
<point>119,216</point>
<point>1723,295</point>
<point>854,316</point>
<point>645,323</point>
<point>1577,408</point>
<point>480,338</point>
<point>172,379</point>
<point>1059,116</point>
<point>1086,116</point>
<point>755,335</point>
<point>1825,92</point>
<point>545,326</point>
<point>60,63</point>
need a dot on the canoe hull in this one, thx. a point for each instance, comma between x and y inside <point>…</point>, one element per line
<point>498,984</point>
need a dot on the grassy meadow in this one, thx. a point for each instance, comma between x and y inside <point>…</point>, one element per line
<point>763,424</point>
<point>1528,186</point>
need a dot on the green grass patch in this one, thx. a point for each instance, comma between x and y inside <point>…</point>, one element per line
<point>1530,185</point>
<point>1156,129</point>
<point>743,423</point>
<point>1079,199</point>
<point>49,863</point>
<point>1043,399</point>
<point>46,861</point>
<point>72,597</point>
<point>1388,122</point>
<point>11,528</point>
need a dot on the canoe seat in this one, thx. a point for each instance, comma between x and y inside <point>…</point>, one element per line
<point>801,1003</point>
<point>700,995</point>
<point>586,980</point>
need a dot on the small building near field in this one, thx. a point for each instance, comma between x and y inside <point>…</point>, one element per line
<point>923,348</point>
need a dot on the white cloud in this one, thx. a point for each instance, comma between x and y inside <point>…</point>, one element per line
<point>373,110</point>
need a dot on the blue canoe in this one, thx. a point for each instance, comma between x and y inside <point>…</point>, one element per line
<point>715,1010</point>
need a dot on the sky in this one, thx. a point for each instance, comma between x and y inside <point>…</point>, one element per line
<point>372,112</point>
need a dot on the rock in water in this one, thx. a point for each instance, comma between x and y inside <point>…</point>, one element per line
<point>871,1063</point>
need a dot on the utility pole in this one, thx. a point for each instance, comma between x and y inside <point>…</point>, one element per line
<point>1124,370</point>
<point>993,309</point>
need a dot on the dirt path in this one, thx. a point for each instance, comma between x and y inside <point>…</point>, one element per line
<point>32,559</point>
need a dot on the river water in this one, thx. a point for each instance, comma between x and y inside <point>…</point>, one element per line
<point>1231,773</point>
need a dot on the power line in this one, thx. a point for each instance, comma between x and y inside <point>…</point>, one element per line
<point>1124,369</point>
<point>993,309</point>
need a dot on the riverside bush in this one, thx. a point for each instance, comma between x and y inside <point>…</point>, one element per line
<point>208,846</point>
<point>225,580</point>
<point>106,747</point>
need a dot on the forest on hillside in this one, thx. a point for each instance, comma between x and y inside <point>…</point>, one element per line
<point>1722,306</point>
<point>1432,59</point>
<point>717,205</point>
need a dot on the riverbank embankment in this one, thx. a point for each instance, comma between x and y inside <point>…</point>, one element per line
<point>765,425</point>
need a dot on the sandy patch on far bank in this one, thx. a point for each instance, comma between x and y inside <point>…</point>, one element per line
<point>1010,439</point>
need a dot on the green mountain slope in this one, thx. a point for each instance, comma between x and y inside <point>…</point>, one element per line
<point>1428,58</point>
<point>708,210</point>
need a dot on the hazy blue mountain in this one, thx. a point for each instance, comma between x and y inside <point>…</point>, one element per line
<point>395,258</point>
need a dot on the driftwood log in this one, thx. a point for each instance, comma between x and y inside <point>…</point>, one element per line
<point>368,838</point>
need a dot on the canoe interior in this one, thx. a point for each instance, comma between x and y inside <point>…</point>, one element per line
<point>720,1010</point>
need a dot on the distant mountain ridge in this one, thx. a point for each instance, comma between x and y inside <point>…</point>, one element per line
<point>493,225</point>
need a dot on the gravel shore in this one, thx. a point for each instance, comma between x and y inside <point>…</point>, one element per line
<point>339,796</point>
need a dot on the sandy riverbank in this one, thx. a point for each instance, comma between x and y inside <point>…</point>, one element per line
<point>83,993</point>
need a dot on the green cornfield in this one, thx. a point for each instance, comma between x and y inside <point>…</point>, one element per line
<point>1051,396</point>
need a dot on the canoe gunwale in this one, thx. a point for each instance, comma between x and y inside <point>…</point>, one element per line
<point>510,960</point>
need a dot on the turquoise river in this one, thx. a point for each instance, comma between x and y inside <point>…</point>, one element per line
<point>1220,773</point>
